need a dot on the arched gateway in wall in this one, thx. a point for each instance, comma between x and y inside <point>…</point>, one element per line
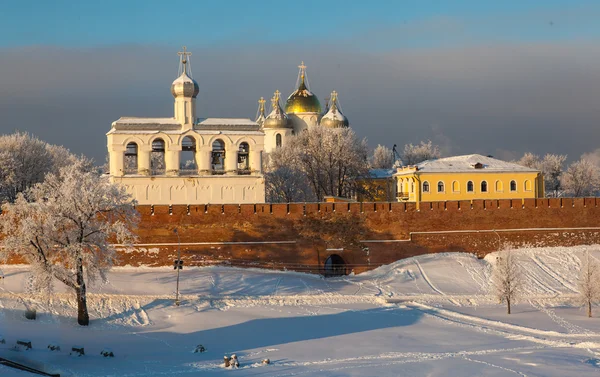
<point>334,266</point>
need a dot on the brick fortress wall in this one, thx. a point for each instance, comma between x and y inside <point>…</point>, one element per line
<point>301,236</point>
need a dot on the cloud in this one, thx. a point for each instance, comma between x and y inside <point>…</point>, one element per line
<point>479,99</point>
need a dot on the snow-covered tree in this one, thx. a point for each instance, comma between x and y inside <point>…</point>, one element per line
<point>65,228</point>
<point>582,178</point>
<point>551,166</point>
<point>506,278</point>
<point>530,160</point>
<point>413,154</point>
<point>383,158</point>
<point>286,185</point>
<point>552,169</point>
<point>589,283</point>
<point>330,159</point>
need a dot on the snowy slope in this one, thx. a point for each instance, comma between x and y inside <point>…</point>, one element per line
<point>423,316</point>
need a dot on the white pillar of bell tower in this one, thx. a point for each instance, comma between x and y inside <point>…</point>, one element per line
<point>185,89</point>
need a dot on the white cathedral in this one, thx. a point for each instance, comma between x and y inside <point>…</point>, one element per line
<point>190,160</point>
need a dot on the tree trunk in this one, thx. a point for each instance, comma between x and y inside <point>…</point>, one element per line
<point>83,318</point>
<point>589,308</point>
<point>508,306</point>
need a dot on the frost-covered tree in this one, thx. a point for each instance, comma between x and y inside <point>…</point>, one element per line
<point>65,228</point>
<point>552,169</point>
<point>589,283</point>
<point>506,278</point>
<point>413,154</point>
<point>25,160</point>
<point>383,158</point>
<point>330,159</point>
<point>286,185</point>
<point>551,166</point>
<point>582,178</point>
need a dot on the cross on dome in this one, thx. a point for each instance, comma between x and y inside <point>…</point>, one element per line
<point>261,104</point>
<point>183,60</point>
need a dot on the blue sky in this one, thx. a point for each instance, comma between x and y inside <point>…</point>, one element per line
<point>488,76</point>
<point>415,23</point>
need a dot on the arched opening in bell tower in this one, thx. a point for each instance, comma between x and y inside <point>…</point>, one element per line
<point>218,157</point>
<point>157,157</point>
<point>187,161</point>
<point>130,163</point>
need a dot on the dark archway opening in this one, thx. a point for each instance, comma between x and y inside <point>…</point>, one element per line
<point>335,266</point>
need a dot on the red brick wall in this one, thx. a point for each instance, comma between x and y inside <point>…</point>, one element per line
<point>297,235</point>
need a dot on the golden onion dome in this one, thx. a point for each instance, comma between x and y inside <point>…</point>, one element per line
<point>277,118</point>
<point>185,86</point>
<point>334,118</point>
<point>302,100</point>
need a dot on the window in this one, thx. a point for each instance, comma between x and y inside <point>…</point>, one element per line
<point>187,160</point>
<point>528,185</point>
<point>499,186</point>
<point>157,157</point>
<point>513,186</point>
<point>278,140</point>
<point>412,187</point>
<point>218,157</point>
<point>243,161</point>
<point>455,186</point>
<point>131,159</point>
<point>425,186</point>
<point>470,186</point>
<point>484,186</point>
<point>440,186</point>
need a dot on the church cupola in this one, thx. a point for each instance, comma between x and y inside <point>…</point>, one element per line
<point>277,118</point>
<point>334,118</point>
<point>302,100</point>
<point>260,118</point>
<point>185,89</point>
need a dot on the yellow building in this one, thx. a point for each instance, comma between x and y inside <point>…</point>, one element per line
<point>466,178</point>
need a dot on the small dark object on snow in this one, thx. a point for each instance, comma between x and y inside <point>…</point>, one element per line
<point>2,340</point>
<point>24,343</point>
<point>53,347</point>
<point>234,361</point>
<point>226,361</point>
<point>78,350</point>
<point>266,361</point>
<point>200,348</point>
<point>107,352</point>
<point>30,314</point>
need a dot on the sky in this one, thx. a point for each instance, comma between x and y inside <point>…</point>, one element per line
<point>490,77</point>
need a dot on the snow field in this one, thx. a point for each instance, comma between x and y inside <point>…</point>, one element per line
<point>429,315</point>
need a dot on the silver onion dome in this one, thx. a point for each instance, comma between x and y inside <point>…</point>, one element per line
<point>185,86</point>
<point>277,118</point>
<point>334,118</point>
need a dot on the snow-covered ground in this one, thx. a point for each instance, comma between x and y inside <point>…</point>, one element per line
<point>425,316</point>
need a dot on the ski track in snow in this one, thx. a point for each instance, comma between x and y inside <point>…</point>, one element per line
<point>552,274</point>
<point>426,278</point>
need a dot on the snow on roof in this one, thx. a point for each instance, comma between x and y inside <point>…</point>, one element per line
<point>381,173</point>
<point>153,124</point>
<point>227,124</point>
<point>470,162</point>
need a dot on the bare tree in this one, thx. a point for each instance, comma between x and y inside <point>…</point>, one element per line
<point>589,283</point>
<point>330,159</point>
<point>506,278</point>
<point>582,178</point>
<point>286,185</point>
<point>383,158</point>
<point>63,229</point>
<point>413,154</point>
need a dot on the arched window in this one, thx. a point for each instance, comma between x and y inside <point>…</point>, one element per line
<point>440,186</point>
<point>243,160</point>
<point>412,186</point>
<point>130,163</point>
<point>527,185</point>
<point>218,157</point>
<point>513,186</point>
<point>499,186</point>
<point>278,140</point>
<point>187,161</point>
<point>483,186</point>
<point>455,186</point>
<point>157,157</point>
<point>470,186</point>
<point>425,186</point>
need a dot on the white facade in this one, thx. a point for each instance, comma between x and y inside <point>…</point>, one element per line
<point>184,160</point>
